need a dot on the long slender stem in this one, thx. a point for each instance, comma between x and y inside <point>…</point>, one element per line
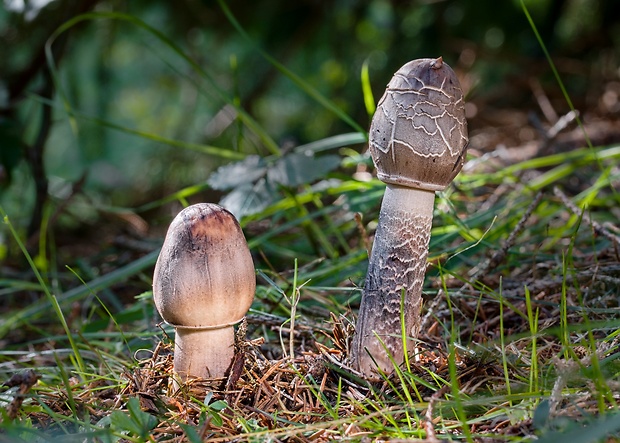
<point>397,262</point>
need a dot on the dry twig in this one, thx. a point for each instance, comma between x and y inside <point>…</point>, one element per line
<point>598,228</point>
<point>25,381</point>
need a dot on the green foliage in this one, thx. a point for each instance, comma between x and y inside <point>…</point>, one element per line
<point>136,424</point>
<point>594,430</point>
<point>253,183</point>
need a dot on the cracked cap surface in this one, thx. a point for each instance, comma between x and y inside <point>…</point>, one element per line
<point>418,135</point>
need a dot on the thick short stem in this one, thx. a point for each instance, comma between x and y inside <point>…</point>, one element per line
<point>203,353</point>
<point>397,267</point>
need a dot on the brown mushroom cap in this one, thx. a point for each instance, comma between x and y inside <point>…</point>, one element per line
<point>204,276</point>
<point>418,135</point>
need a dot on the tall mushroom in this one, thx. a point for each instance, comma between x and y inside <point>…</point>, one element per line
<point>418,139</point>
<point>203,284</point>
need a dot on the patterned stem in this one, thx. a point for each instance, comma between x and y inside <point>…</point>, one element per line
<point>397,263</point>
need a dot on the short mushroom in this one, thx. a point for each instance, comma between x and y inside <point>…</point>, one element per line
<point>204,283</point>
<point>418,140</point>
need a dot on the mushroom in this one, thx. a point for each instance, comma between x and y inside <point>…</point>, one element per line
<point>203,285</point>
<point>418,140</point>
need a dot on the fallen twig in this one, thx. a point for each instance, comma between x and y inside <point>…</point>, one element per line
<point>428,415</point>
<point>598,228</point>
<point>25,381</point>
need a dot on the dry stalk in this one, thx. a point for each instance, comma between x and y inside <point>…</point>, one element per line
<point>597,227</point>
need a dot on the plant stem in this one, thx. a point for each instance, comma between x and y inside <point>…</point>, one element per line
<point>294,301</point>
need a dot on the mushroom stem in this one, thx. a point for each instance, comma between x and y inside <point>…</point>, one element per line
<point>190,360</point>
<point>396,269</point>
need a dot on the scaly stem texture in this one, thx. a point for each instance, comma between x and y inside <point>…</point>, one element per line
<point>396,269</point>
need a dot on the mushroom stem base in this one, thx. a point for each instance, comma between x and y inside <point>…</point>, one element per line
<point>395,278</point>
<point>203,353</point>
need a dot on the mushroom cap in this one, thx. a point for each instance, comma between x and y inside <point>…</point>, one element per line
<point>204,275</point>
<point>418,135</point>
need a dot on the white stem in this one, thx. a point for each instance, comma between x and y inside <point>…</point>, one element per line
<point>203,353</point>
<point>397,263</point>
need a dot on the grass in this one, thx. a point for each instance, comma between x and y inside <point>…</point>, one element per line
<point>520,338</point>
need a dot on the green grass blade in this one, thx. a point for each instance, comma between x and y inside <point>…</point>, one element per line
<point>502,341</point>
<point>214,151</point>
<point>335,141</point>
<point>533,326</point>
<point>49,296</point>
<point>296,79</point>
<point>267,141</point>
<point>41,307</point>
<point>369,100</point>
<point>556,74</point>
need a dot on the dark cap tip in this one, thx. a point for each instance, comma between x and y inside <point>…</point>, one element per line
<point>438,63</point>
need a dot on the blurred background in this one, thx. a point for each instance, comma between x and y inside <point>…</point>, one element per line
<point>137,101</point>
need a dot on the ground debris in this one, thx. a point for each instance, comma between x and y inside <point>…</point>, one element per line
<point>312,397</point>
<point>24,381</point>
